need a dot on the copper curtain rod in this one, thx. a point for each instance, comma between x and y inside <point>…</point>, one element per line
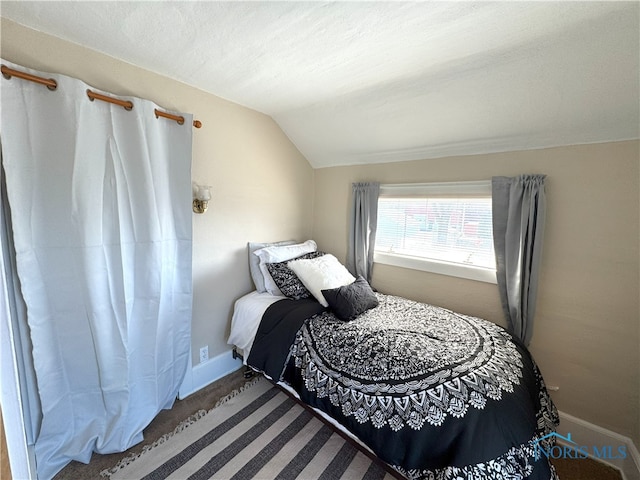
<point>126,104</point>
<point>51,84</point>
<point>177,118</point>
<point>7,73</point>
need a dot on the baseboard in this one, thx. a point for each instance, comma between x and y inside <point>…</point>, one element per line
<point>585,433</point>
<point>208,372</point>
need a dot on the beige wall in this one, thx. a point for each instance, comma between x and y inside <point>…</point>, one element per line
<point>261,182</point>
<point>586,334</point>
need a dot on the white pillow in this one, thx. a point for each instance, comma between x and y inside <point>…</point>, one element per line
<point>280,253</point>
<point>254,262</point>
<point>321,273</point>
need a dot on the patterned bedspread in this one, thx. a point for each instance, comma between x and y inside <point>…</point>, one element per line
<point>434,393</point>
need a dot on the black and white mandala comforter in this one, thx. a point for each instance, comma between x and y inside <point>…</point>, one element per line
<point>434,393</point>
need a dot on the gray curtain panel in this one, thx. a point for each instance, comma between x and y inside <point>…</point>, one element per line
<point>518,229</point>
<point>362,228</point>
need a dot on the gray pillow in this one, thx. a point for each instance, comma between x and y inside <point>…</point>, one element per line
<point>351,300</point>
<point>254,262</point>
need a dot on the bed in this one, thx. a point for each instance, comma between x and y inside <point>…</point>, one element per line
<point>434,393</point>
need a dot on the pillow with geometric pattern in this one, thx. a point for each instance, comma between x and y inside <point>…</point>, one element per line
<point>287,281</point>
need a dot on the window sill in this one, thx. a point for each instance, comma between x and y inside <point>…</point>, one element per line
<point>443,268</point>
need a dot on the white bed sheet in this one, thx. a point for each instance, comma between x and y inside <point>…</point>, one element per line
<point>247,314</point>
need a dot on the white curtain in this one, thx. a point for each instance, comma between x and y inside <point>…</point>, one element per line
<point>100,208</point>
<point>17,317</point>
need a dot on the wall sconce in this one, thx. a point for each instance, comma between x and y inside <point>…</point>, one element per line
<point>201,197</point>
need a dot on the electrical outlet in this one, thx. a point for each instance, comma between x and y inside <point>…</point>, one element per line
<point>204,354</point>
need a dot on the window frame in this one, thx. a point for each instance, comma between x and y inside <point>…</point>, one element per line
<point>452,189</point>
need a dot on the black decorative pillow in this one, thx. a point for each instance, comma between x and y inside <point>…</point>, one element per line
<point>287,281</point>
<point>351,300</point>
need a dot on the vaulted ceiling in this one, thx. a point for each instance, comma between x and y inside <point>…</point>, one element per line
<point>364,82</point>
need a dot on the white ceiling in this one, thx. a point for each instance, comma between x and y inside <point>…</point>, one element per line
<point>364,82</point>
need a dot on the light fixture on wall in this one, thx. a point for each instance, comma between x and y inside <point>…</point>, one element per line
<point>201,197</point>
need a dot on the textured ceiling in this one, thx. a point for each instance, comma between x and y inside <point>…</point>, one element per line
<point>363,82</point>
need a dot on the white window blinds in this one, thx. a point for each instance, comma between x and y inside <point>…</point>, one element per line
<point>448,223</point>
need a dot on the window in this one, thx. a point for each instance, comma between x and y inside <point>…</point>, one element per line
<point>443,228</point>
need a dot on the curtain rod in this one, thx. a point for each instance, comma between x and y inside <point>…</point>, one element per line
<point>126,104</point>
<point>177,118</point>
<point>7,73</point>
<point>51,84</point>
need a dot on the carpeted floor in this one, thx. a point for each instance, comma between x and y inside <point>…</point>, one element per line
<point>167,421</point>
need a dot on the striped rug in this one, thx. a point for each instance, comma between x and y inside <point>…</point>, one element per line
<point>258,432</point>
